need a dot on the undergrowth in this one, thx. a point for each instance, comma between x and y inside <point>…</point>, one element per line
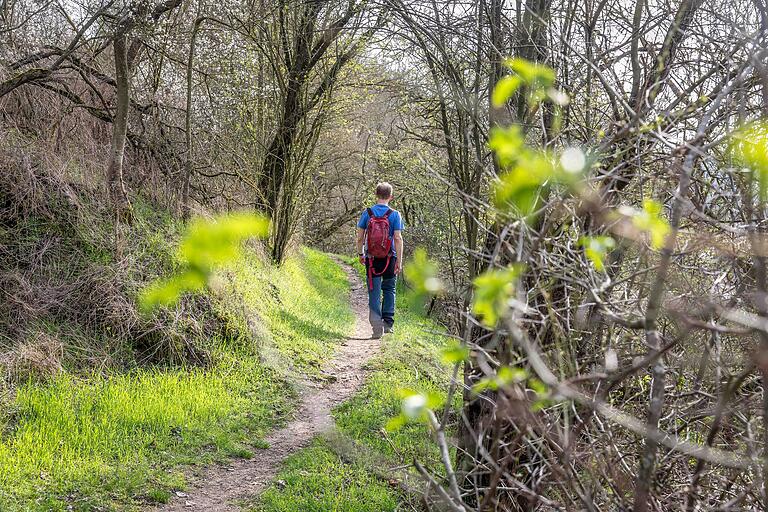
<point>69,302</point>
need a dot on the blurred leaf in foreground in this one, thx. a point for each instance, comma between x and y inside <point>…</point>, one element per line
<point>493,290</point>
<point>596,248</point>
<point>421,272</point>
<point>454,352</point>
<point>414,407</point>
<point>530,173</point>
<point>749,147</point>
<point>649,219</point>
<point>206,245</point>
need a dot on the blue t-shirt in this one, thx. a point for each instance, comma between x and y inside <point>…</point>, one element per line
<point>395,220</point>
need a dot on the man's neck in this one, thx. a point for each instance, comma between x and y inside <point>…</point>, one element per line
<point>385,202</point>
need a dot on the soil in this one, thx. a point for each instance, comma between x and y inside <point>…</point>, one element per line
<point>219,488</point>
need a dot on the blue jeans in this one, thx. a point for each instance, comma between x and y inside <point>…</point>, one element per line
<point>381,297</point>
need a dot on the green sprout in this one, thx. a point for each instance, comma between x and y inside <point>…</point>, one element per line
<point>493,290</point>
<point>649,219</point>
<point>596,248</point>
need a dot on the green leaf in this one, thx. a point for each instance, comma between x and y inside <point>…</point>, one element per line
<point>504,89</point>
<point>511,374</point>
<point>422,273</point>
<point>505,375</point>
<point>414,405</point>
<point>528,173</point>
<point>206,245</point>
<point>396,423</point>
<point>168,291</point>
<point>454,352</point>
<point>650,221</point>
<point>403,393</point>
<point>520,189</point>
<point>493,289</point>
<point>542,394</point>
<point>485,383</point>
<point>534,75</point>
<point>212,242</point>
<point>508,144</point>
<point>539,387</point>
<point>596,248</point>
<point>749,147</point>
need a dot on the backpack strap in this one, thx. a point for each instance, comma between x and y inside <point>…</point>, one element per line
<point>367,224</point>
<point>386,214</point>
<point>386,266</point>
<point>369,268</point>
<point>372,273</point>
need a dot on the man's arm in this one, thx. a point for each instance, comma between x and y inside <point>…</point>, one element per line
<point>398,250</point>
<point>360,239</point>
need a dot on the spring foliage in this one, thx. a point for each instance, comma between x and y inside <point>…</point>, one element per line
<point>208,244</point>
<point>749,147</point>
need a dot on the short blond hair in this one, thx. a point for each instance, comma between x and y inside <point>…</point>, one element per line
<point>383,190</point>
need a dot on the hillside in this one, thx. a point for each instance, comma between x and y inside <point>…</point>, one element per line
<point>133,428</point>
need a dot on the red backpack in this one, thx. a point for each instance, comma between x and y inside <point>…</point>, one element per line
<point>378,244</point>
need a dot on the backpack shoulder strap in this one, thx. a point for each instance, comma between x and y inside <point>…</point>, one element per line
<point>370,213</point>
<point>388,213</point>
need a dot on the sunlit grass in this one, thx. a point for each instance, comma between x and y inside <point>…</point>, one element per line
<point>409,360</point>
<point>304,306</point>
<point>105,438</point>
<point>317,480</point>
<point>115,442</point>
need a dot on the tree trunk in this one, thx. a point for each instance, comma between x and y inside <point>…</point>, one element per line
<point>117,191</point>
<point>275,163</point>
<point>189,161</point>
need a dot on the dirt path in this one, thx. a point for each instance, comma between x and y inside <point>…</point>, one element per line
<point>220,487</point>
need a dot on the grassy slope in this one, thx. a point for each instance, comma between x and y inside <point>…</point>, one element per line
<point>322,478</point>
<point>116,441</point>
<point>300,308</point>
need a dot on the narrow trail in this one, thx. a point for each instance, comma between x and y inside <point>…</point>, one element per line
<point>219,488</point>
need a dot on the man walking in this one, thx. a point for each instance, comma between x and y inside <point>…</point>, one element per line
<point>380,246</point>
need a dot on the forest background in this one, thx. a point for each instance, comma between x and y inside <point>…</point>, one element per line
<point>587,180</point>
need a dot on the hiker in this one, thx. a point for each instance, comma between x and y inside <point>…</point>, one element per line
<point>380,246</point>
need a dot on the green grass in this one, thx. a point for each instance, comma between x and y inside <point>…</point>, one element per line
<point>102,440</point>
<point>317,480</point>
<point>409,359</point>
<point>303,307</point>
<point>116,441</point>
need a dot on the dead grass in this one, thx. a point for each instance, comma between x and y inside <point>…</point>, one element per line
<point>62,281</point>
<point>40,356</point>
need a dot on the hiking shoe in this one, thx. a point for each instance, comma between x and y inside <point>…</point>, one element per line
<point>388,329</point>
<point>377,332</point>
